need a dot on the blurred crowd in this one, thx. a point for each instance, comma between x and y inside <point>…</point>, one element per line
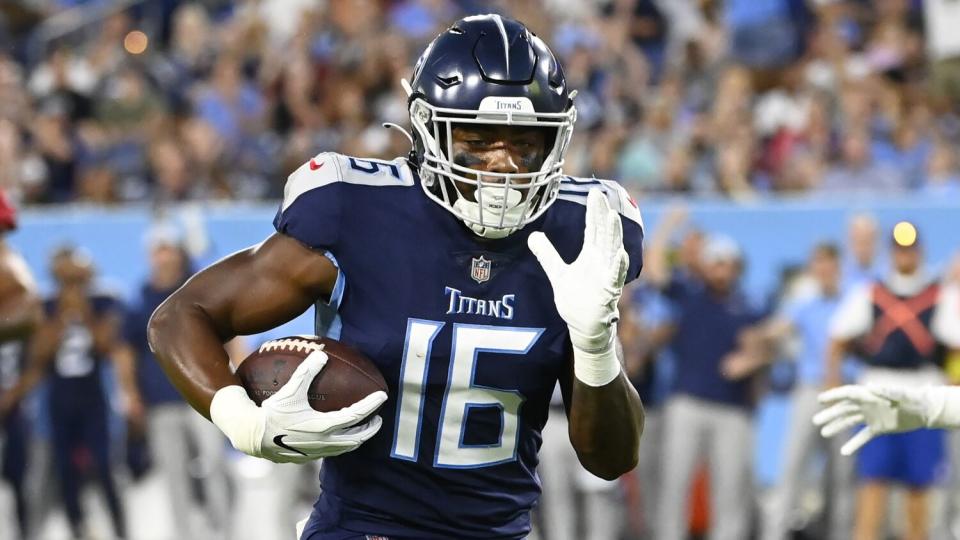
<point>170,100</point>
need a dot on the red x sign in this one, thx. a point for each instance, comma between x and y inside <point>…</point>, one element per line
<point>903,314</point>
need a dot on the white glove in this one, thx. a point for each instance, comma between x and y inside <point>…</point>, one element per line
<point>284,428</point>
<point>587,291</point>
<point>886,409</point>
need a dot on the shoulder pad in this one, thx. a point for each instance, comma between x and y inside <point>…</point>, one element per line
<point>576,189</point>
<point>330,167</point>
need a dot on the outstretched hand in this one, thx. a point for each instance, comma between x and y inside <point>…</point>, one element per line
<point>879,409</point>
<point>587,291</point>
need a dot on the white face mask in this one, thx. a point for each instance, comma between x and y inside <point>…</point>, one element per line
<point>493,204</point>
<point>505,202</point>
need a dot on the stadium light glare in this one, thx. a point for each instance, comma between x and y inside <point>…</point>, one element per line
<point>905,234</point>
<point>135,42</point>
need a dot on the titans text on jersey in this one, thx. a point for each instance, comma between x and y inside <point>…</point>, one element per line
<point>501,308</point>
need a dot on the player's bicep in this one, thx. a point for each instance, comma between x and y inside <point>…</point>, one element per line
<point>261,287</point>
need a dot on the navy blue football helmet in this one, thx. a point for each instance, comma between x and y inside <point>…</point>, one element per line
<point>487,69</point>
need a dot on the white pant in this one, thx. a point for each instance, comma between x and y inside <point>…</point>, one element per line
<point>562,477</point>
<point>803,443</point>
<point>168,429</point>
<point>946,523</point>
<point>694,430</point>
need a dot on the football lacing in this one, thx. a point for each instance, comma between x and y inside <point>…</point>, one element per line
<point>291,344</point>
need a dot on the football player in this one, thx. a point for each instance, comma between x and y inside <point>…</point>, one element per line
<point>474,274</point>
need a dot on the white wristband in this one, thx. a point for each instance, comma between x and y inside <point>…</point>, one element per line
<point>239,418</point>
<point>597,368</point>
<point>943,409</point>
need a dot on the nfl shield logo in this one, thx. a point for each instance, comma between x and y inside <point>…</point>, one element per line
<point>480,269</point>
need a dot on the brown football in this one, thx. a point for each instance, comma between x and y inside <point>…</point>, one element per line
<point>348,376</point>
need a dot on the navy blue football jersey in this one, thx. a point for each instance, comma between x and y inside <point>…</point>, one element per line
<point>466,334</point>
<point>76,375</point>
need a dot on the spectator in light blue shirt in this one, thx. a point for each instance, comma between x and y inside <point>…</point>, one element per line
<point>942,176</point>
<point>231,104</point>
<point>858,171</point>
<point>807,319</point>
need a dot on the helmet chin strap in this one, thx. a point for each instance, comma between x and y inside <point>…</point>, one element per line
<point>493,205</point>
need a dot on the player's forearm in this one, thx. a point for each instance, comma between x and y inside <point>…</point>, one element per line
<point>754,343</point>
<point>776,330</point>
<point>606,423</point>
<point>835,353</point>
<point>190,351</point>
<point>657,268</point>
<point>124,358</point>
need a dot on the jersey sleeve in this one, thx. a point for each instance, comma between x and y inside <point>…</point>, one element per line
<point>576,190</point>
<point>312,204</point>
<point>622,202</point>
<point>946,319</point>
<point>854,316</point>
<point>134,328</point>
<point>633,244</point>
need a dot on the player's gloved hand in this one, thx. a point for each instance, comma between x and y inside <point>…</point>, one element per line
<point>285,428</point>
<point>587,291</point>
<point>886,409</point>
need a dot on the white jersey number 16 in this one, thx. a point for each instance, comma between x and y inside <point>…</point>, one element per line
<point>461,393</point>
